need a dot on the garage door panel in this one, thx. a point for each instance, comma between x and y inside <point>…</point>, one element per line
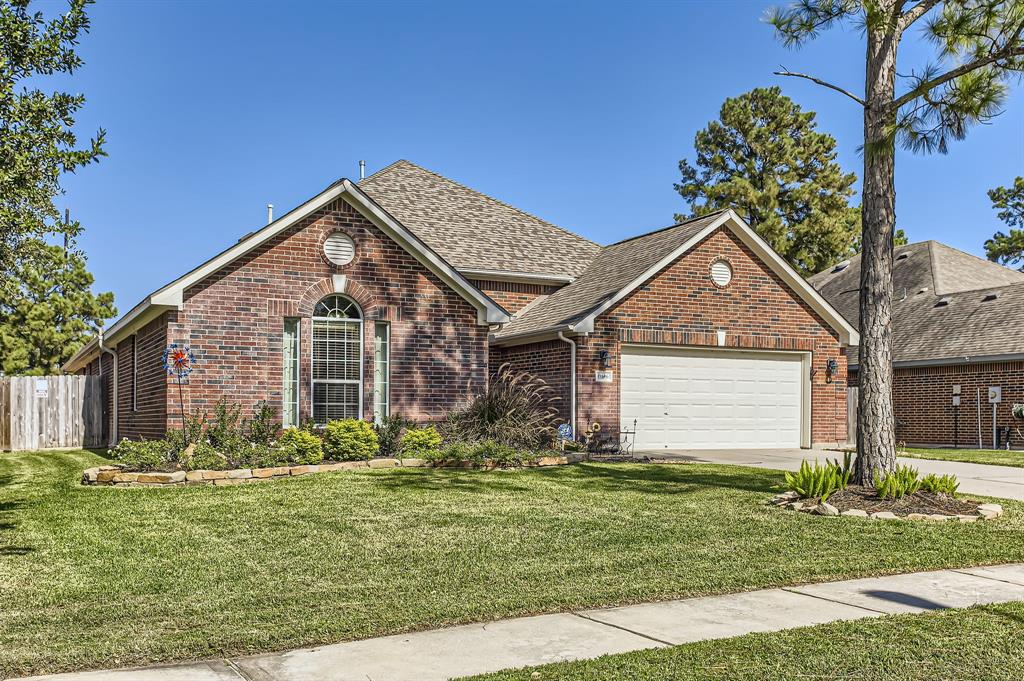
<point>695,399</point>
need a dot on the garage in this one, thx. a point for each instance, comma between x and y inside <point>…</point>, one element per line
<point>685,398</point>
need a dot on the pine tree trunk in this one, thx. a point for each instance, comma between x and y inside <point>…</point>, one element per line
<point>876,437</point>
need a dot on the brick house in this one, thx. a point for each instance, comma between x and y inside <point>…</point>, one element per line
<point>404,292</point>
<point>957,332</point>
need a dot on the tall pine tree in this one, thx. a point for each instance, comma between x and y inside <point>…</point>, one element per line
<point>1007,248</point>
<point>765,158</point>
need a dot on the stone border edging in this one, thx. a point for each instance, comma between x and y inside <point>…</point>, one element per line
<point>116,475</point>
<point>791,500</point>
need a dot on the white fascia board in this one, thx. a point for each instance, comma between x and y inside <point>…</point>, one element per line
<point>847,334</point>
<point>82,357</point>
<point>535,336</point>
<point>951,361</point>
<point>488,312</point>
<point>516,277</point>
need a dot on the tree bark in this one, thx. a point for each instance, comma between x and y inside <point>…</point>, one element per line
<point>876,436</point>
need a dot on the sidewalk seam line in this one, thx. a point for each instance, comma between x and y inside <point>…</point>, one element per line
<point>833,600</point>
<point>236,669</point>
<point>994,579</point>
<point>627,630</point>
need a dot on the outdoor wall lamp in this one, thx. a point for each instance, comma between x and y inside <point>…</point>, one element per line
<point>831,369</point>
<point>605,358</point>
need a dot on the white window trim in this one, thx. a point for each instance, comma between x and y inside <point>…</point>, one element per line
<point>362,359</point>
<point>387,396</point>
<point>285,406</point>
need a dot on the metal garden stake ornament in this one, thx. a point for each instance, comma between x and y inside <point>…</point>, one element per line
<point>178,362</point>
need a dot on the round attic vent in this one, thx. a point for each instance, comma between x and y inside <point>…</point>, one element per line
<point>721,273</point>
<point>339,248</point>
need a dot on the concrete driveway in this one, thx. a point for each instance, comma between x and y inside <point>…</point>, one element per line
<point>993,481</point>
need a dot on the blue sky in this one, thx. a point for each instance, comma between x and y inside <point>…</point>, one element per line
<point>577,112</point>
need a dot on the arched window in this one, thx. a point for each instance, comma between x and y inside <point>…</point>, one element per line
<point>337,360</point>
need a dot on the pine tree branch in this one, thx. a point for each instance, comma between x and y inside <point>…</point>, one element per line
<point>823,84</point>
<point>915,13</point>
<point>928,85</point>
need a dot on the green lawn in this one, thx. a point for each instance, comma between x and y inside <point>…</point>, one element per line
<point>998,457</point>
<point>978,644</point>
<point>94,576</point>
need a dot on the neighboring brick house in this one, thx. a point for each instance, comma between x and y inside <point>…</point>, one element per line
<point>957,332</point>
<point>405,292</point>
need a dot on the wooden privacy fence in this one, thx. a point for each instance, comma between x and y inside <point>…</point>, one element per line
<point>851,414</point>
<point>51,412</point>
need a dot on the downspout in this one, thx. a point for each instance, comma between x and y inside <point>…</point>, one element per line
<point>572,389</point>
<point>113,386</point>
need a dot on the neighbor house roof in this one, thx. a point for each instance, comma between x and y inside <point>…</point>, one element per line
<point>477,234</point>
<point>618,269</point>
<point>948,306</point>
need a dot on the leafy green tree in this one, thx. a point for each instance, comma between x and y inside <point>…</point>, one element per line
<point>1003,248</point>
<point>47,309</point>
<point>37,141</point>
<point>979,47</point>
<point>765,158</point>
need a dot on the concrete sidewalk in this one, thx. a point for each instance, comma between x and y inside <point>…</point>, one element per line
<point>479,648</point>
<point>975,478</point>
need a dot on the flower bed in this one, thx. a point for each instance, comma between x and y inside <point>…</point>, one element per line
<point>863,502</point>
<point>120,476</point>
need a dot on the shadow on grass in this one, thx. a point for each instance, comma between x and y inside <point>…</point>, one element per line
<point>7,526</point>
<point>587,478</point>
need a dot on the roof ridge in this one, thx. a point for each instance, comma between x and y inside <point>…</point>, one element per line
<point>491,198</point>
<point>665,229</point>
<point>385,169</point>
<point>933,269</point>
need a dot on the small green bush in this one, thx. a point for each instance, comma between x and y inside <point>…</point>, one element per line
<point>897,484</point>
<point>350,440</point>
<point>420,443</point>
<point>263,428</point>
<point>389,434</point>
<point>455,452</point>
<point>817,482</point>
<point>496,452</point>
<point>299,447</point>
<point>145,455</point>
<point>945,484</point>
<point>204,457</point>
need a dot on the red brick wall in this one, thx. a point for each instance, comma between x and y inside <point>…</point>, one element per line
<point>923,402</point>
<point>549,360</point>
<point>682,306</point>
<point>513,296</point>
<point>234,321</point>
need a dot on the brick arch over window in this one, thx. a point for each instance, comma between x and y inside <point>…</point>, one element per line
<point>353,289</point>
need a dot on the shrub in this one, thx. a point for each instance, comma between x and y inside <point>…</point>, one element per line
<point>204,457</point>
<point>350,440</point>
<point>225,431</point>
<point>263,427</point>
<point>897,484</point>
<point>497,452</point>
<point>945,484</point>
<point>817,481</point>
<point>517,409</point>
<point>420,443</point>
<point>145,455</point>
<point>299,447</point>
<point>389,433</point>
<point>456,452</point>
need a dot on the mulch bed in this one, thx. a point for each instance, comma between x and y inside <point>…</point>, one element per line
<point>865,498</point>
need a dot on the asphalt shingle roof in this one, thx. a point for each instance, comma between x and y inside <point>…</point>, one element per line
<point>610,271</point>
<point>981,314</point>
<point>472,230</point>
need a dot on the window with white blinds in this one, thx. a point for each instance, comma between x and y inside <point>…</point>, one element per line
<point>290,414</point>
<point>337,360</point>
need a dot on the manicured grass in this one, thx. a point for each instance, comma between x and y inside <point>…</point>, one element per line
<point>977,644</point>
<point>997,457</point>
<point>100,577</point>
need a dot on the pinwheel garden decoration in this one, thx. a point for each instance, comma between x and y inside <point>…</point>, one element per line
<point>178,362</point>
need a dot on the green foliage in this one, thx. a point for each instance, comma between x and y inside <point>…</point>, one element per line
<point>47,308</point>
<point>263,428</point>
<point>517,409</point>
<point>1018,411</point>
<point>389,432</point>
<point>204,457</point>
<point>454,452</point>
<point>420,443</point>
<point>225,429</point>
<point>38,144</point>
<point>350,440</point>
<point>144,455</point>
<point>817,481</point>
<point>845,470</point>
<point>765,158</point>
<point>299,447</point>
<point>897,483</point>
<point>1008,248</point>
<point>945,484</point>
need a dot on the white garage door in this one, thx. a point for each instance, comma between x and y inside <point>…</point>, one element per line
<point>694,399</point>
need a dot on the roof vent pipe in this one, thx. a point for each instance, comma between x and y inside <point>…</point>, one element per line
<point>362,170</point>
<point>270,213</point>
